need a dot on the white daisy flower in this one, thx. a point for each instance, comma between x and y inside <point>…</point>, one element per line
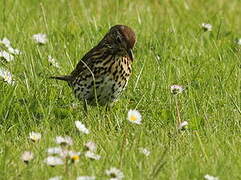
<point>209,177</point>
<point>11,50</point>
<point>40,38</point>
<point>66,141</point>
<point>5,55</point>
<point>56,178</point>
<point>53,61</point>
<point>238,41</point>
<point>176,89</point>
<point>86,178</point>
<point>53,161</point>
<point>74,156</point>
<point>206,27</point>
<point>54,150</point>
<point>6,42</point>
<point>14,51</point>
<point>144,151</point>
<point>92,155</point>
<point>90,146</point>
<point>183,125</point>
<point>7,76</point>
<point>27,156</point>
<point>81,127</point>
<point>134,116</point>
<point>115,173</point>
<point>34,136</point>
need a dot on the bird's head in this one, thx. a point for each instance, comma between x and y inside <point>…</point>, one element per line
<point>121,39</point>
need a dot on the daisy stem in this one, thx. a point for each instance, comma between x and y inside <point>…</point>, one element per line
<point>66,167</point>
<point>177,111</point>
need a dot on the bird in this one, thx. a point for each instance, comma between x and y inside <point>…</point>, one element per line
<point>102,74</point>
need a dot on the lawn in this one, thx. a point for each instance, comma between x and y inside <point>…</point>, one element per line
<point>172,49</point>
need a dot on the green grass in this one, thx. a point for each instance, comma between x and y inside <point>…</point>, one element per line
<point>171,49</point>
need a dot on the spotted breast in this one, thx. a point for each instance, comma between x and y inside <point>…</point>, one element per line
<point>104,83</point>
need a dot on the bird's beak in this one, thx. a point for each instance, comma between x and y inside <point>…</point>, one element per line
<point>130,53</point>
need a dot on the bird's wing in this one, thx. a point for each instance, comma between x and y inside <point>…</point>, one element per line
<point>89,59</point>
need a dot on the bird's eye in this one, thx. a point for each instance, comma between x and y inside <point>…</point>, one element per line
<point>118,39</point>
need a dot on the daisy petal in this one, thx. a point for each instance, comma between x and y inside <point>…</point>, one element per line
<point>85,178</point>
<point>34,136</point>
<point>53,161</point>
<point>176,89</point>
<point>92,155</point>
<point>27,156</point>
<point>209,177</point>
<point>114,173</point>
<point>207,27</point>
<point>134,116</point>
<point>7,76</point>
<point>183,125</point>
<point>65,141</point>
<point>81,127</point>
<point>40,38</point>
<point>5,55</point>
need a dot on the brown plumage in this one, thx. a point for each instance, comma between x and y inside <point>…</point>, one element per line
<point>103,73</point>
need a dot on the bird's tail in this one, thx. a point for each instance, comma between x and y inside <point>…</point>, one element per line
<point>63,78</point>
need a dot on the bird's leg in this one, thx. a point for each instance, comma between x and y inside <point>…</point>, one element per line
<point>85,107</point>
<point>108,107</point>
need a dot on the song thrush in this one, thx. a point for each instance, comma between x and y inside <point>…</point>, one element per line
<point>103,73</point>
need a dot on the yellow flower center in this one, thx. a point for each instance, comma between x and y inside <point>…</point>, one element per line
<point>75,157</point>
<point>133,118</point>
